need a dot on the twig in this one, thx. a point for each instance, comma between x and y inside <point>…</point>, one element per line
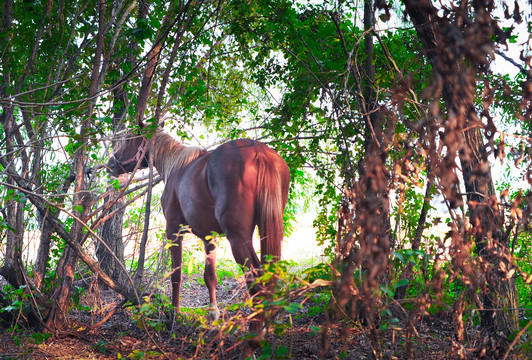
<point>108,316</point>
<point>514,63</point>
<point>516,339</point>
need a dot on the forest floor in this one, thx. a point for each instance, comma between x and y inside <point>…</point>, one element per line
<point>120,337</point>
<point>307,334</point>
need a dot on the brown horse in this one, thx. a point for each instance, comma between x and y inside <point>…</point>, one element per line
<point>230,190</point>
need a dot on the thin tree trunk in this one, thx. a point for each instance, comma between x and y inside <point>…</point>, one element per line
<point>400,292</point>
<point>463,136</point>
<point>11,266</point>
<point>57,318</point>
<point>142,103</point>
<point>111,230</point>
<point>111,233</point>
<point>371,224</point>
<point>43,253</point>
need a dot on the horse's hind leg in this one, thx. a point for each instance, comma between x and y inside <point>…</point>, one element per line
<point>245,255</point>
<point>238,227</point>
<point>210,277</point>
<point>237,223</point>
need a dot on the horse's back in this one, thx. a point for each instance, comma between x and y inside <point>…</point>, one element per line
<point>235,163</point>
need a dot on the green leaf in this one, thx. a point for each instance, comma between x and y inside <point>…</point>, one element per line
<point>402,282</point>
<point>387,291</point>
<point>281,351</point>
<point>115,184</point>
<point>293,308</point>
<point>315,329</point>
<point>399,256</point>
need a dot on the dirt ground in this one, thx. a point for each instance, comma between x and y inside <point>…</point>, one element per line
<point>305,335</point>
<point>122,338</point>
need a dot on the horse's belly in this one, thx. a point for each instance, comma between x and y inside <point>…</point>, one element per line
<point>200,217</point>
<point>203,225</point>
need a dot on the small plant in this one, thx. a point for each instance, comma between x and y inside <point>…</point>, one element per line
<point>227,269</point>
<point>19,306</point>
<point>100,346</point>
<point>39,338</point>
<point>152,313</point>
<point>271,352</point>
<point>199,317</point>
<point>77,296</point>
<point>317,303</point>
<point>138,354</point>
<point>319,271</point>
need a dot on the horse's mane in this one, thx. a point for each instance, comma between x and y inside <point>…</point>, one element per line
<point>170,154</point>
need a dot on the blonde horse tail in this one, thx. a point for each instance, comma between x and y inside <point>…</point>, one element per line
<point>272,190</point>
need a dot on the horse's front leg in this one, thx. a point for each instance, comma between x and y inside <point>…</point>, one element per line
<point>176,251</point>
<point>210,277</point>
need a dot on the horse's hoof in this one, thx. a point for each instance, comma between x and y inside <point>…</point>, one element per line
<point>248,349</point>
<point>214,313</point>
<point>247,354</point>
<point>252,357</point>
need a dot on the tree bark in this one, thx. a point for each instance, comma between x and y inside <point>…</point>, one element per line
<point>12,267</point>
<point>463,136</point>
<point>43,253</point>
<point>111,230</point>
<point>369,223</point>
<point>400,292</point>
<point>111,233</point>
<point>56,320</point>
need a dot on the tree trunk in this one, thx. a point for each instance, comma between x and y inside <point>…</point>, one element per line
<point>43,253</point>
<point>13,211</point>
<point>56,320</point>
<point>487,223</point>
<point>111,233</point>
<point>400,292</point>
<point>12,267</point>
<point>463,136</point>
<point>370,226</point>
<point>111,230</point>
<point>57,317</point>
<point>140,109</point>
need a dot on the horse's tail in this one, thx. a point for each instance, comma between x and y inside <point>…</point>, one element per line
<point>272,190</point>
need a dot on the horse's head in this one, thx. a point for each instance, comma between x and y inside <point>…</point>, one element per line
<point>127,156</point>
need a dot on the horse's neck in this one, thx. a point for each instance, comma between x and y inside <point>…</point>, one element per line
<point>170,154</point>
